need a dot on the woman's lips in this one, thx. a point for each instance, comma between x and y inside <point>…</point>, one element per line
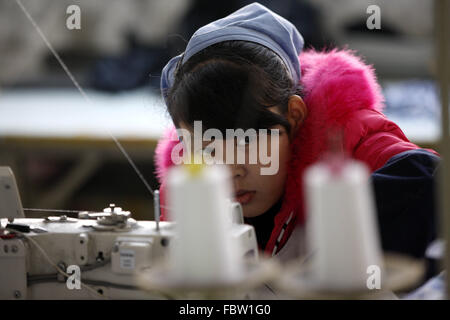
<point>244,197</point>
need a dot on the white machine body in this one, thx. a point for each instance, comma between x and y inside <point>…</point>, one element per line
<point>102,250</point>
<point>107,260</point>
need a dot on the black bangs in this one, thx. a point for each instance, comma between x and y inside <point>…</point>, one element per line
<point>224,96</point>
<point>232,85</point>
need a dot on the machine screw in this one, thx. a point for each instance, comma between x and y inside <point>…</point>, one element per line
<point>63,267</point>
<point>164,242</point>
<point>17,294</point>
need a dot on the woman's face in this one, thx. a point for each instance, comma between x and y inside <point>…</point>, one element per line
<point>255,190</point>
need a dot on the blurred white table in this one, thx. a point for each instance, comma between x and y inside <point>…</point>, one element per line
<point>61,123</point>
<point>64,113</point>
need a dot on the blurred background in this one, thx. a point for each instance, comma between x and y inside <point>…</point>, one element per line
<point>59,142</point>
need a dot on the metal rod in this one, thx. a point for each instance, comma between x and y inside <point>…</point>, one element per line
<point>157,208</point>
<point>442,10</point>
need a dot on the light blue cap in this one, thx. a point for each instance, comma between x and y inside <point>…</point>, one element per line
<point>254,23</point>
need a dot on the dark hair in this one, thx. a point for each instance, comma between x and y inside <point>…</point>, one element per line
<point>230,85</point>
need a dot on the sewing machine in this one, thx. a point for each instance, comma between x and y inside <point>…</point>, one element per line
<point>46,258</point>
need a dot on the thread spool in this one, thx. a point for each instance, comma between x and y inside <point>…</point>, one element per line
<point>342,231</point>
<point>204,251</point>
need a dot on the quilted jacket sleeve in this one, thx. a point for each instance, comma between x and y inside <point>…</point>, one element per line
<point>404,178</point>
<point>374,139</point>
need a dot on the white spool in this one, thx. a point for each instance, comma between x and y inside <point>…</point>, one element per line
<point>342,229</point>
<point>204,251</point>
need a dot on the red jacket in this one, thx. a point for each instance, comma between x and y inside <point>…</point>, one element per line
<point>340,91</point>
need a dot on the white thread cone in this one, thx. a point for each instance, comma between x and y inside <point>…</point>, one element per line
<point>204,250</point>
<point>342,229</point>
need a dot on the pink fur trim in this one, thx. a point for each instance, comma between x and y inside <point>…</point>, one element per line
<point>340,80</point>
<point>163,160</point>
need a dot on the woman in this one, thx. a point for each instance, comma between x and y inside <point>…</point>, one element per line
<point>248,71</point>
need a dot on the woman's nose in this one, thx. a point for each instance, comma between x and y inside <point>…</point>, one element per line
<point>238,170</point>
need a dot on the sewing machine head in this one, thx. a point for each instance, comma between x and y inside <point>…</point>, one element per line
<point>103,249</point>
